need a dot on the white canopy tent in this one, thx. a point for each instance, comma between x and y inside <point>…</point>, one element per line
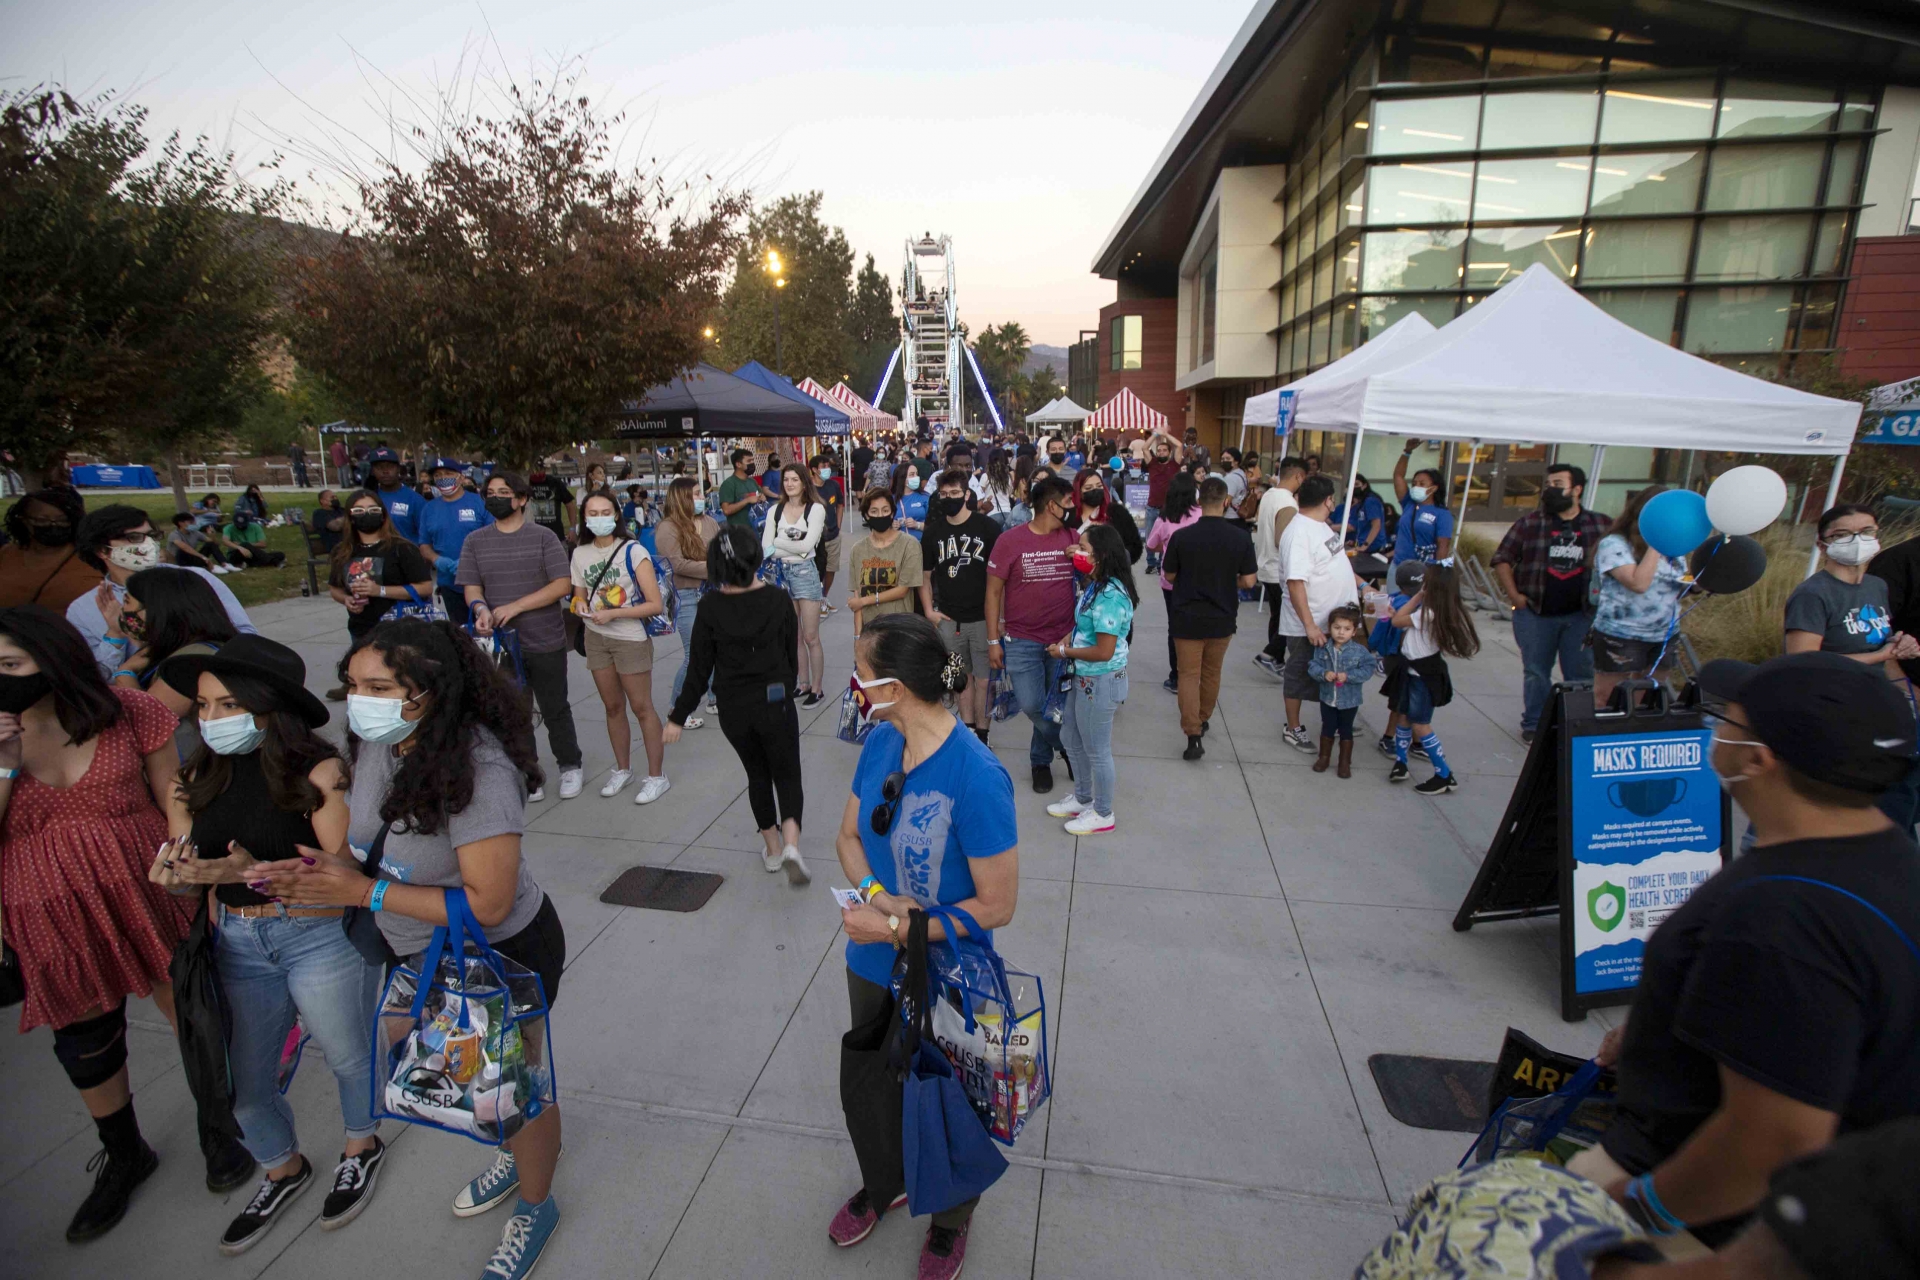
<point>1059,410</point>
<point>1263,410</point>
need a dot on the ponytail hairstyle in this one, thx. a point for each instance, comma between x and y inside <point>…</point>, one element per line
<point>733,557</point>
<point>1110,563</point>
<point>908,648</point>
<point>1448,621</point>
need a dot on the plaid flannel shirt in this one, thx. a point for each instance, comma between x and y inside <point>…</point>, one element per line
<point>1526,542</point>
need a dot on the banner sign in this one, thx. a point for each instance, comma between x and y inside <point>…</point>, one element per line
<point>1137,497</point>
<point>1646,833</point>
<point>1283,415</point>
<point>1902,427</point>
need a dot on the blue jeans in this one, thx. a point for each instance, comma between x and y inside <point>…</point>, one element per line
<point>1034,676</point>
<point>270,969</point>
<point>1541,640</point>
<point>1086,730</point>
<point>1153,557</point>
<point>689,605</point>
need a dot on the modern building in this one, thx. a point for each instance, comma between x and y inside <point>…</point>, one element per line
<point>1701,169</point>
<point>1083,369</point>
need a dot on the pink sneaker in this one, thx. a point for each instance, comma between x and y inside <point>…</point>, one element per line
<point>944,1253</point>
<point>856,1219</point>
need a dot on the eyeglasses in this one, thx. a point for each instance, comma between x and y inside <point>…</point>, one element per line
<point>881,819</point>
<point>1848,539</point>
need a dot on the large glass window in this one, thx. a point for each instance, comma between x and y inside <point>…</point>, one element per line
<point>1648,310</point>
<point>1539,119</point>
<point>1763,248</point>
<point>1637,250</point>
<point>1749,108</point>
<point>1327,220</point>
<point>1648,182</point>
<point>1830,244</point>
<point>1840,176</point>
<point>1745,318</point>
<point>1351,210</point>
<point>1785,177</point>
<point>1497,255</point>
<point>1411,260</point>
<point>1322,331</point>
<point>1817,307</point>
<point>1437,192</point>
<point>1381,314</point>
<point>1544,188</point>
<point>1323,280</point>
<point>1658,111</point>
<point>1125,342</point>
<point>1347,273</point>
<point>1289,253</point>
<point>1208,291</point>
<point>1403,125</point>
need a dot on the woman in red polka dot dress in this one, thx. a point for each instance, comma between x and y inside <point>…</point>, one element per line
<point>81,766</point>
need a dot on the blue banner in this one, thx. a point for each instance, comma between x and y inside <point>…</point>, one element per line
<point>1893,428</point>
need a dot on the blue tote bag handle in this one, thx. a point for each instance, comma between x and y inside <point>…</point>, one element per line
<point>976,938</point>
<point>460,929</point>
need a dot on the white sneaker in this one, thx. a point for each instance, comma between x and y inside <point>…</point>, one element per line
<point>796,867</point>
<point>616,780</point>
<point>571,781</point>
<point>1068,808</point>
<point>536,795</point>
<point>713,708</point>
<point>772,861</point>
<point>651,789</point>
<point>1090,823</point>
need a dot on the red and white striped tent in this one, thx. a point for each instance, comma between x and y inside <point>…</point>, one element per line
<point>1126,412</point>
<point>861,419</point>
<point>880,419</point>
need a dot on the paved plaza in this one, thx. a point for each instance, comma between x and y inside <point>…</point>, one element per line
<point>1217,972</point>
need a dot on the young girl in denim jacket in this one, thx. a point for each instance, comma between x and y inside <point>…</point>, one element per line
<point>1342,665</point>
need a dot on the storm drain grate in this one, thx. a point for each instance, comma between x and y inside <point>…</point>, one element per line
<point>661,889</point>
<point>1433,1093</point>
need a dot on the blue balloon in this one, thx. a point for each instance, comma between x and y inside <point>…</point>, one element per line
<point>1675,522</point>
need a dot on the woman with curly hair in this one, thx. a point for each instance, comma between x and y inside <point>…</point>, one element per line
<point>443,754</point>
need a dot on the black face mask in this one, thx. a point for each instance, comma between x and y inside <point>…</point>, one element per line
<point>952,507</point>
<point>368,521</point>
<point>499,508</point>
<point>879,524</point>
<point>52,535</point>
<point>17,693</point>
<point>1056,458</point>
<point>1556,501</point>
<point>1095,498</point>
<point>749,468</point>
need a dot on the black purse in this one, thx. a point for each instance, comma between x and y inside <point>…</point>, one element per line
<point>13,983</point>
<point>362,930</point>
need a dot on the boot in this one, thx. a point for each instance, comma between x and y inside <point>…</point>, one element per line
<point>1346,759</point>
<point>1325,757</point>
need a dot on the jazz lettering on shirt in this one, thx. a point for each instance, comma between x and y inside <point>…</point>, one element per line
<point>959,551</point>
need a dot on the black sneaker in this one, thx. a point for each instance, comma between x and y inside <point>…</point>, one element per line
<point>256,1219</point>
<point>1526,736</point>
<point>812,698</point>
<point>1398,773</point>
<point>113,1187</point>
<point>1170,685</point>
<point>353,1180</point>
<point>1438,785</point>
<point>229,1165</point>
<point>1386,746</point>
<point>1043,778</point>
<point>1204,726</point>
<point>1194,750</point>
<point>1417,751</point>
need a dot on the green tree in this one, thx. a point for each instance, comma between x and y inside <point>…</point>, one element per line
<point>873,328</point>
<point>1002,352</point>
<point>817,265</point>
<point>285,416</point>
<point>522,285</point>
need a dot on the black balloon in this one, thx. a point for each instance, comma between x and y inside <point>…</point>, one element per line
<point>1725,566</point>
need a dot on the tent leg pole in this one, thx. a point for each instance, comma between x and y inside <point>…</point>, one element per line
<point>1473,451</point>
<point>1593,481</point>
<point>1833,496</point>
<point>1353,472</point>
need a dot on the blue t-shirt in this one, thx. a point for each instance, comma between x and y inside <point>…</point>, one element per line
<point>1365,512</point>
<point>444,526</point>
<point>1420,531</point>
<point>1076,459</point>
<point>957,804</point>
<point>913,506</point>
<point>403,508</point>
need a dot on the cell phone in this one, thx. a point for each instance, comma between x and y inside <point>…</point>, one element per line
<point>776,692</point>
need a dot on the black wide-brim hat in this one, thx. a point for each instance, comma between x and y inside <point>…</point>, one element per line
<point>265,660</point>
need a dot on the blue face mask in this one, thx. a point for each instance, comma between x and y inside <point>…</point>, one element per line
<point>699,504</point>
<point>381,720</point>
<point>913,482</point>
<point>231,735</point>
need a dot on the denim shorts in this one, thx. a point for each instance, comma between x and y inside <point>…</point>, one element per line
<point>803,580</point>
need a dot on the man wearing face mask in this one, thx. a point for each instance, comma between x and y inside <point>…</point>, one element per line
<point>1057,459</point>
<point>1779,1005</point>
<point>1029,605</point>
<point>738,493</point>
<point>1542,564</point>
<point>119,541</point>
<point>958,543</point>
<point>445,523</point>
<point>1162,466</point>
<point>402,503</point>
<point>1425,531</point>
<point>39,564</point>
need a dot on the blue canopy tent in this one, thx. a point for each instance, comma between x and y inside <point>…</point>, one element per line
<point>828,420</point>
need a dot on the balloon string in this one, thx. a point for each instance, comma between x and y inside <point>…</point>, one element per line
<point>1673,627</point>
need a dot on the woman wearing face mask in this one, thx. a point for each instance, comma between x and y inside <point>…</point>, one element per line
<point>930,822</point>
<point>167,613</point>
<point>1097,648</point>
<point>614,592</point>
<point>1181,508</point>
<point>1843,609</point>
<point>1095,504</point>
<point>1638,590</point>
<point>87,796</point>
<point>682,541</point>
<point>885,567</point>
<point>745,641</point>
<point>909,501</point>
<point>39,564</point>
<point>261,787</point>
<point>376,567</point>
<point>118,541</point>
<point>792,535</point>
<point>1366,524</point>
<point>442,755</point>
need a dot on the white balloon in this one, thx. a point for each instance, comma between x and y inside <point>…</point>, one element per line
<point>1746,500</point>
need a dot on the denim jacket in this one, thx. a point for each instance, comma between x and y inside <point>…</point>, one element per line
<point>1353,658</point>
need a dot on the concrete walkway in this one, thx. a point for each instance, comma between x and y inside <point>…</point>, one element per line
<point>1217,972</point>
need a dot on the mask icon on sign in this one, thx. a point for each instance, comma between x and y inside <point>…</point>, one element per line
<point>1647,796</point>
<point>1606,906</point>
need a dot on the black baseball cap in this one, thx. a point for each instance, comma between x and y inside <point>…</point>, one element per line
<point>382,454</point>
<point>1835,720</point>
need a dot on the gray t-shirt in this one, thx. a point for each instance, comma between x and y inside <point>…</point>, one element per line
<point>507,566</point>
<point>498,808</point>
<point>1849,617</point>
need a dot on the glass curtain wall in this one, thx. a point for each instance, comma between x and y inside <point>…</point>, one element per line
<point>1705,209</point>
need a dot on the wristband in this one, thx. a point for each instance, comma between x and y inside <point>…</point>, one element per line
<point>870,889</point>
<point>118,642</point>
<point>8,774</point>
<point>124,672</point>
<point>377,899</point>
<point>1640,1194</point>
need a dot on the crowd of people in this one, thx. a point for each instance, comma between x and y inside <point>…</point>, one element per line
<point>162,765</point>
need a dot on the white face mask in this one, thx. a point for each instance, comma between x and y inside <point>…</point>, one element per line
<point>865,685</point>
<point>141,555</point>
<point>231,735</point>
<point>1726,782</point>
<point>381,720</point>
<point>1853,548</point>
<point>601,526</point>
<point>1418,493</point>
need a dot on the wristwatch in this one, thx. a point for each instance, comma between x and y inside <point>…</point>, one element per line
<point>893,927</point>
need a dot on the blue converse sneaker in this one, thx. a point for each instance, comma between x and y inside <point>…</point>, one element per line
<point>524,1239</point>
<point>490,1189</point>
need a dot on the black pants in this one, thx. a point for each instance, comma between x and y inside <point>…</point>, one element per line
<point>1173,660</point>
<point>547,678</point>
<point>868,1001</point>
<point>766,737</point>
<point>454,601</point>
<point>1337,722</point>
<point>1276,594</point>
<point>541,947</point>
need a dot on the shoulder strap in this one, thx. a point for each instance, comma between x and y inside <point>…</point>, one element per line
<point>1886,919</point>
<point>378,851</point>
<point>44,582</point>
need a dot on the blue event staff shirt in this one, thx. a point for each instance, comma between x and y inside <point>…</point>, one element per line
<point>957,804</point>
<point>1419,532</point>
<point>1365,512</point>
<point>913,506</point>
<point>444,526</point>
<point>403,508</point>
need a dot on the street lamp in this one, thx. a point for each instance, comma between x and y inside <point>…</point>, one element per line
<point>774,269</point>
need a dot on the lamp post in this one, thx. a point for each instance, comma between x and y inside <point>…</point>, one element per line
<point>774,269</point>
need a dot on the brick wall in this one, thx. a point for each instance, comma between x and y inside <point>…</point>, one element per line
<point>1153,380</point>
<point>1880,324</point>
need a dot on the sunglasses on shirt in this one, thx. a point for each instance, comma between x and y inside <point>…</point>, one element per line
<point>881,819</point>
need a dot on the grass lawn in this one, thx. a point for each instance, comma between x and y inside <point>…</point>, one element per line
<point>250,586</point>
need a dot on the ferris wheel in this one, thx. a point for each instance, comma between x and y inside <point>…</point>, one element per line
<point>931,349</point>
